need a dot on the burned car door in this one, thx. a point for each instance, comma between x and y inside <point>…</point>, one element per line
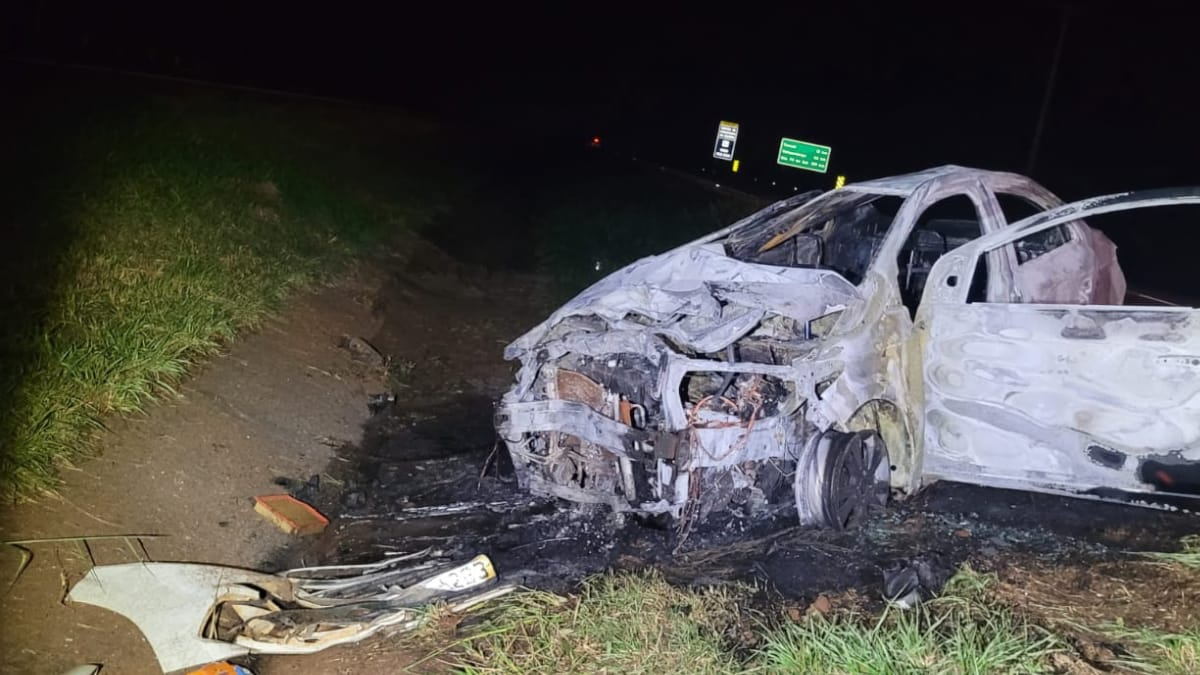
<point>1090,400</point>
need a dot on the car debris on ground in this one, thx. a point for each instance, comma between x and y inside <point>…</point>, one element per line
<point>377,403</point>
<point>836,349</point>
<point>290,514</point>
<point>194,614</point>
<point>908,583</point>
<point>362,351</point>
<point>84,669</point>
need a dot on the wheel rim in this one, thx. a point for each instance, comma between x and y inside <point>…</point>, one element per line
<point>856,478</point>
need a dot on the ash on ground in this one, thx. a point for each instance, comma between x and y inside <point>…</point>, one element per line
<point>433,478</point>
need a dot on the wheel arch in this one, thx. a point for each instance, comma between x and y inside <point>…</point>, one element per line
<point>889,420</point>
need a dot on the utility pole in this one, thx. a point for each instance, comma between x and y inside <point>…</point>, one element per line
<point>1050,82</point>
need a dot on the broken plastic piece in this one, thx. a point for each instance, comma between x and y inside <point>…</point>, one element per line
<point>197,614</point>
<point>290,514</point>
<point>170,603</point>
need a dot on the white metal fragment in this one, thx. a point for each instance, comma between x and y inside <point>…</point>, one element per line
<point>169,603</point>
<point>195,614</point>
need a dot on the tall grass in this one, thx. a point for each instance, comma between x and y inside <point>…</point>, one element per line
<point>960,632</point>
<point>629,623</point>
<point>152,232</point>
<point>1158,651</point>
<point>1188,554</point>
<point>1155,650</point>
<point>637,623</point>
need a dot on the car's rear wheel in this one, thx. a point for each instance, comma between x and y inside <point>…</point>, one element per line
<point>842,477</point>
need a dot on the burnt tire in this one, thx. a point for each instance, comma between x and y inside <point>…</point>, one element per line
<point>846,474</point>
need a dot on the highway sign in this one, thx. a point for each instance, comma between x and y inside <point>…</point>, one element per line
<point>727,133</point>
<point>803,155</point>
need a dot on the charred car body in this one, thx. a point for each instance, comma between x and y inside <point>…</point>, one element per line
<point>836,348</point>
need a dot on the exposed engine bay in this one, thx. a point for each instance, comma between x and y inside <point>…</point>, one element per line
<point>659,391</point>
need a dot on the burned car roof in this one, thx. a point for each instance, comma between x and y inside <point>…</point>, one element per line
<point>905,184</point>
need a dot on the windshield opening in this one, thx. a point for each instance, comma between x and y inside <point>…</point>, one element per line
<point>842,232</point>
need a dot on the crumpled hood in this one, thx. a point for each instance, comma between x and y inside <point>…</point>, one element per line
<point>697,296</point>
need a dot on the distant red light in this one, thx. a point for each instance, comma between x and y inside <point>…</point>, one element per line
<point>595,140</point>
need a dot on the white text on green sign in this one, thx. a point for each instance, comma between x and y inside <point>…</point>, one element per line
<point>803,155</point>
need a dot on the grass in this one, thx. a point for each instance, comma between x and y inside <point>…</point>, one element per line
<point>148,232</point>
<point>622,623</point>
<point>1187,556</point>
<point>638,623</point>
<point>1158,651</point>
<point>958,632</point>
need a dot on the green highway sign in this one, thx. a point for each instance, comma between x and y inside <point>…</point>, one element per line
<point>802,155</point>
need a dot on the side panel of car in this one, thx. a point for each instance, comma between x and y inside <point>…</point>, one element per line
<point>1084,399</point>
<point>1059,396</point>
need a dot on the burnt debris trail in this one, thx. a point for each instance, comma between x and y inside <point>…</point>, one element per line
<point>434,477</point>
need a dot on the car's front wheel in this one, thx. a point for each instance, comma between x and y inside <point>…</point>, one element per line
<point>841,477</point>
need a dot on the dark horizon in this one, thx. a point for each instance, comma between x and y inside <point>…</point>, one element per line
<point>890,90</point>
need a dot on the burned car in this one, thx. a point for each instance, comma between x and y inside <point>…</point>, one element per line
<point>836,349</point>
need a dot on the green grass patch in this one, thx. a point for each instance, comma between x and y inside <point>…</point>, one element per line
<point>1188,555</point>
<point>959,632</point>
<point>1157,651</point>
<point>621,623</point>
<point>147,231</point>
<point>638,623</point>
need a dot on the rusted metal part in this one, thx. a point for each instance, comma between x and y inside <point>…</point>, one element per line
<point>575,387</point>
<point>718,375</point>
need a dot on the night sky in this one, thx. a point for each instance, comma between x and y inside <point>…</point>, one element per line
<point>890,90</point>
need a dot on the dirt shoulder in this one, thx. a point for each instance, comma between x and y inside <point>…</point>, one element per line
<point>278,404</point>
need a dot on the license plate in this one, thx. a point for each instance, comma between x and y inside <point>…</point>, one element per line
<point>476,572</point>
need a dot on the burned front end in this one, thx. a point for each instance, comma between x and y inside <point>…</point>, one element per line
<point>682,384</point>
